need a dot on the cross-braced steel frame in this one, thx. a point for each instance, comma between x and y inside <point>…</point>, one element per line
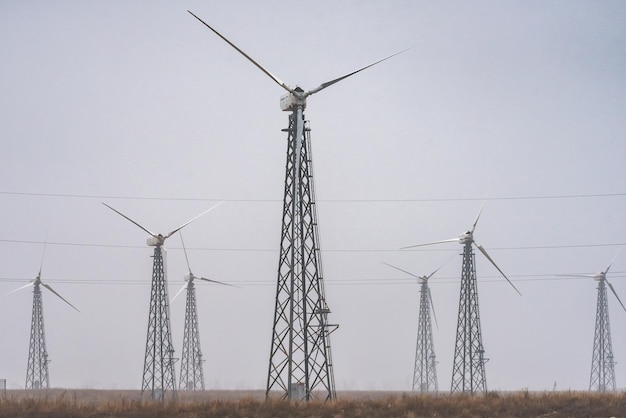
<point>468,371</point>
<point>37,370</point>
<point>191,374</point>
<point>300,358</point>
<point>425,372</point>
<point>602,364</point>
<point>158,368</point>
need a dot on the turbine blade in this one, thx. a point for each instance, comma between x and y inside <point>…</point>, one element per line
<point>432,306</point>
<point>482,250</point>
<point>433,273</point>
<point>615,293</point>
<point>43,254</point>
<point>19,288</point>
<point>336,80</point>
<point>188,222</point>
<point>404,271</point>
<point>593,276</point>
<point>259,66</point>
<point>121,214</point>
<point>478,217</point>
<point>185,250</point>
<point>178,293</point>
<point>613,260</point>
<point>61,297</point>
<point>215,281</point>
<point>432,243</point>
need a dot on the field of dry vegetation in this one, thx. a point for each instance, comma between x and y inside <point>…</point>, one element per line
<point>239,404</point>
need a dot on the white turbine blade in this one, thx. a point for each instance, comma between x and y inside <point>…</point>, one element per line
<point>259,66</point>
<point>592,276</point>
<point>215,281</point>
<point>404,271</point>
<point>482,250</point>
<point>331,82</point>
<point>178,293</point>
<point>124,216</point>
<point>19,288</point>
<point>478,217</point>
<point>61,297</point>
<point>43,254</point>
<point>432,306</point>
<point>615,293</point>
<point>613,260</point>
<point>185,250</point>
<point>433,273</point>
<point>432,243</point>
<point>188,222</point>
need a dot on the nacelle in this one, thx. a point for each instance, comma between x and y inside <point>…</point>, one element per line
<point>155,241</point>
<point>290,102</point>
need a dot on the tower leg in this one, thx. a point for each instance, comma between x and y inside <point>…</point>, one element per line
<point>300,365</point>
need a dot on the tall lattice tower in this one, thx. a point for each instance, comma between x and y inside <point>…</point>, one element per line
<point>158,370</point>
<point>468,370</point>
<point>191,364</point>
<point>37,369</point>
<point>191,370</point>
<point>602,364</point>
<point>158,367</point>
<point>425,370</point>
<point>300,356</point>
<point>300,363</point>
<point>37,376</point>
<point>602,378</point>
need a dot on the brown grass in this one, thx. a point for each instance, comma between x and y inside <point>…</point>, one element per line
<point>239,404</point>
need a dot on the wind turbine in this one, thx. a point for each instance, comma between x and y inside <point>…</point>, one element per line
<point>425,369</point>
<point>300,358</point>
<point>191,373</point>
<point>37,376</point>
<point>158,369</point>
<point>602,378</point>
<point>468,371</point>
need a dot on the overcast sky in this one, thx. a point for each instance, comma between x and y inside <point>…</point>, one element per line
<point>520,105</point>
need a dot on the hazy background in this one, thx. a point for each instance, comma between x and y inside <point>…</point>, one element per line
<point>521,105</point>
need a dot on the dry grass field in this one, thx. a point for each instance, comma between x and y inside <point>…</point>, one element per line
<point>239,404</point>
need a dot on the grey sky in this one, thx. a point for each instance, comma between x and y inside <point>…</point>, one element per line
<point>115,101</point>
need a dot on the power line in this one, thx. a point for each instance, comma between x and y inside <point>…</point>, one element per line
<point>544,277</point>
<point>201,199</point>
<point>337,250</point>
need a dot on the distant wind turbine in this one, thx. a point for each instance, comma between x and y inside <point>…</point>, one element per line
<point>468,372</point>
<point>602,378</point>
<point>158,370</point>
<point>425,368</point>
<point>37,376</point>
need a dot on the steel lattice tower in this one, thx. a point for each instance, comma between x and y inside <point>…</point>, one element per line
<point>37,370</point>
<point>468,370</point>
<point>158,369</point>
<point>300,356</point>
<point>602,364</point>
<point>191,373</point>
<point>300,359</point>
<point>425,371</point>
